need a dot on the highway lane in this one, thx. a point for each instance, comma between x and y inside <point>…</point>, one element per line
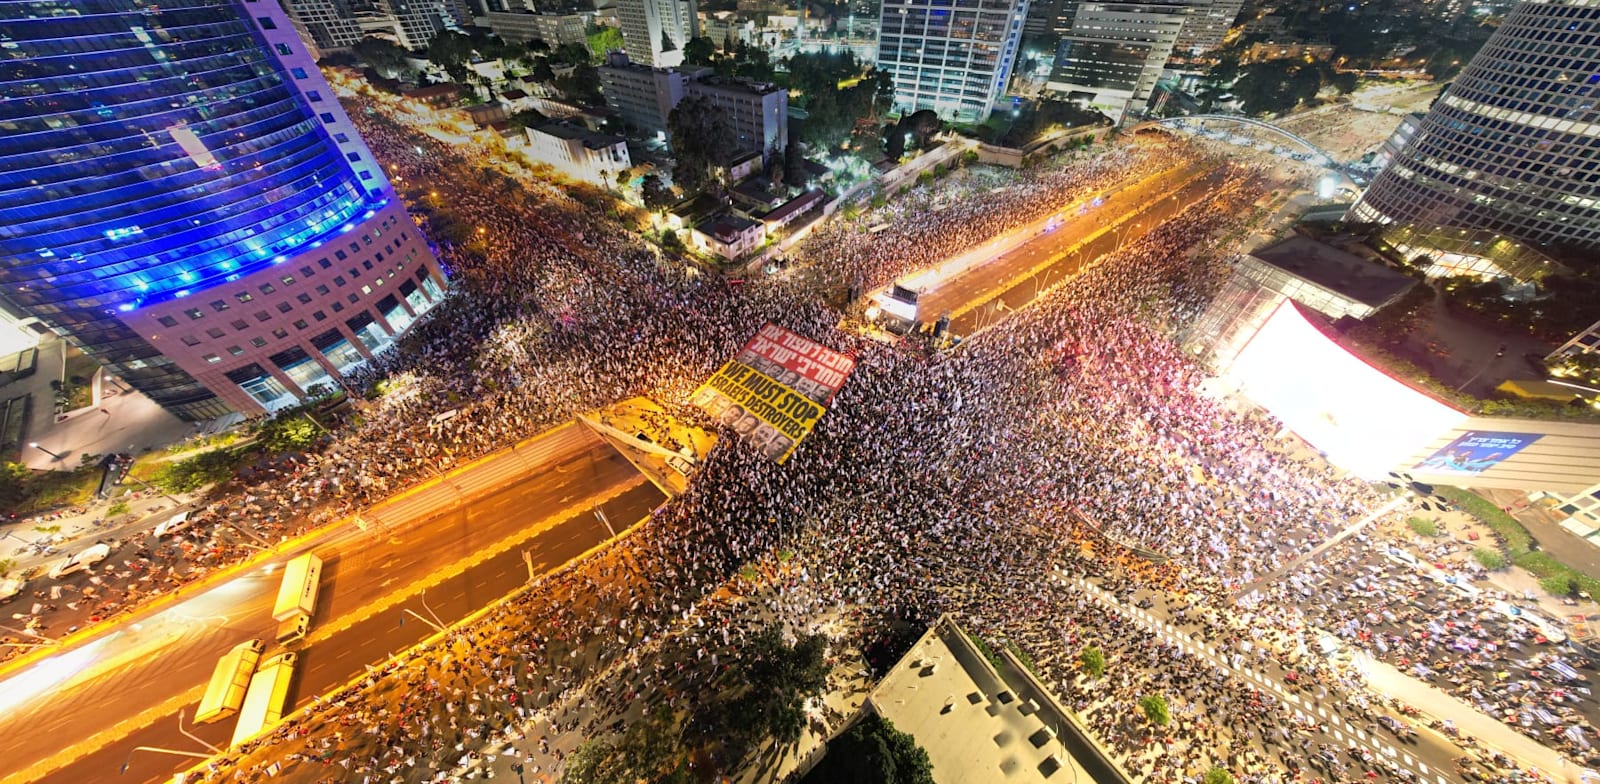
<point>982,297</point>
<point>136,701</point>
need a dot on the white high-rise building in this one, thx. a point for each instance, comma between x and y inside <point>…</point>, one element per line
<point>1112,57</point>
<point>951,56</point>
<point>655,31</point>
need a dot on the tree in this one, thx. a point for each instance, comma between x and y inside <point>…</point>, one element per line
<point>1218,776</point>
<point>701,142</point>
<point>657,196</point>
<point>1093,661</point>
<point>290,431</point>
<point>452,51</point>
<point>1344,81</point>
<point>699,51</point>
<point>582,86</point>
<point>873,752</point>
<point>1155,709</point>
<point>13,484</point>
<point>780,678</point>
<point>667,44</point>
<point>602,41</point>
<point>794,163</point>
<point>527,118</point>
<point>386,56</point>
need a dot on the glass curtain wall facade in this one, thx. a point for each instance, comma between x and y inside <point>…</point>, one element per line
<point>952,56</point>
<point>150,151</point>
<point>1513,145</point>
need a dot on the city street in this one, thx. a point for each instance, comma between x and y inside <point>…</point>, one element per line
<point>442,570</point>
<point>979,298</point>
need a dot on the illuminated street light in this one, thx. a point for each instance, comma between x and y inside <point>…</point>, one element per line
<point>53,455</point>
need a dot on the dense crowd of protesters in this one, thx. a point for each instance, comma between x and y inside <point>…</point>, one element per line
<point>938,482</point>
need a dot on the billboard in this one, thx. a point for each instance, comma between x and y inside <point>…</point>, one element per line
<point>1359,417</point>
<point>808,367</point>
<point>774,391</point>
<point>1476,451</point>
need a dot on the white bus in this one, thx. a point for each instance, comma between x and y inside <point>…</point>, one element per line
<point>225,693</point>
<point>267,697</point>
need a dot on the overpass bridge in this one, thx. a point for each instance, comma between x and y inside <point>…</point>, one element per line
<point>1318,155</point>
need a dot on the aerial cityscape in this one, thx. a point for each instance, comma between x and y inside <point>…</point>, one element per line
<point>739,391</point>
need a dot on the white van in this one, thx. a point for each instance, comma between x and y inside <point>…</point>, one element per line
<point>172,525</point>
<point>80,561</point>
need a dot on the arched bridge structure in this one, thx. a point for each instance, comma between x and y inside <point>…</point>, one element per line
<point>1318,154</point>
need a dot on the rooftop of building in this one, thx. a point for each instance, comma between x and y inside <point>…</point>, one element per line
<point>706,78</point>
<point>1336,270</point>
<point>979,723</point>
<point>726,227</point>
<point>570,132</point>
<point>804,201</point>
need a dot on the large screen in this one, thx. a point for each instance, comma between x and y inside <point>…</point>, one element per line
<point>1476,451</point>
<point>1363,420</point>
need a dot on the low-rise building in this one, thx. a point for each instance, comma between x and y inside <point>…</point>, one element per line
<point>792,210</point>
<point>728,236</point>
<point>578,152</point>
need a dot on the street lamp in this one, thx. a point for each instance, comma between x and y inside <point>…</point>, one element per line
<point>53,455</point>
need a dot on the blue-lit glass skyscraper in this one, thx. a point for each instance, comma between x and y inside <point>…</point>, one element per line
<point>152,153</point>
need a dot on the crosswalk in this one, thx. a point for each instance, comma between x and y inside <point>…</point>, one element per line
<point>1305,710</point>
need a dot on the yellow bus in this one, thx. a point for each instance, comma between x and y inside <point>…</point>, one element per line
<point>265,700</point>
<point>229,681</point>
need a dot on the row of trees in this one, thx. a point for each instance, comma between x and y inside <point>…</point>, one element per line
<point>838,94</point>
<point>1270,87</point>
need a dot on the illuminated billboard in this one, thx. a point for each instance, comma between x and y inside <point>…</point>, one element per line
<point>1476,451</point>
<point>775,390</point>
<point>1363,420</point>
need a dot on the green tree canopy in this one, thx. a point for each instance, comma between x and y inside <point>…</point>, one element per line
<point>1093,660</point>
<point>452,52</point>
<point>657,196</point>
<point>780,678</point>
<point>384,55</point>
<point>699,51</point>
<point>702,141</point>
<point>603,40</point>
<point>1155,709</point>
<point>1218,776</point>
<point>873,752</point>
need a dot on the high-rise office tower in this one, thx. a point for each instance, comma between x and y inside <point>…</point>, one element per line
<point>655,31</point>
<point>1206,27</point>
<point>951,56</point>
<point>1114,53</point>
<point>182,197</point>
<point>1510,148</point>
<point>327,24</point>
